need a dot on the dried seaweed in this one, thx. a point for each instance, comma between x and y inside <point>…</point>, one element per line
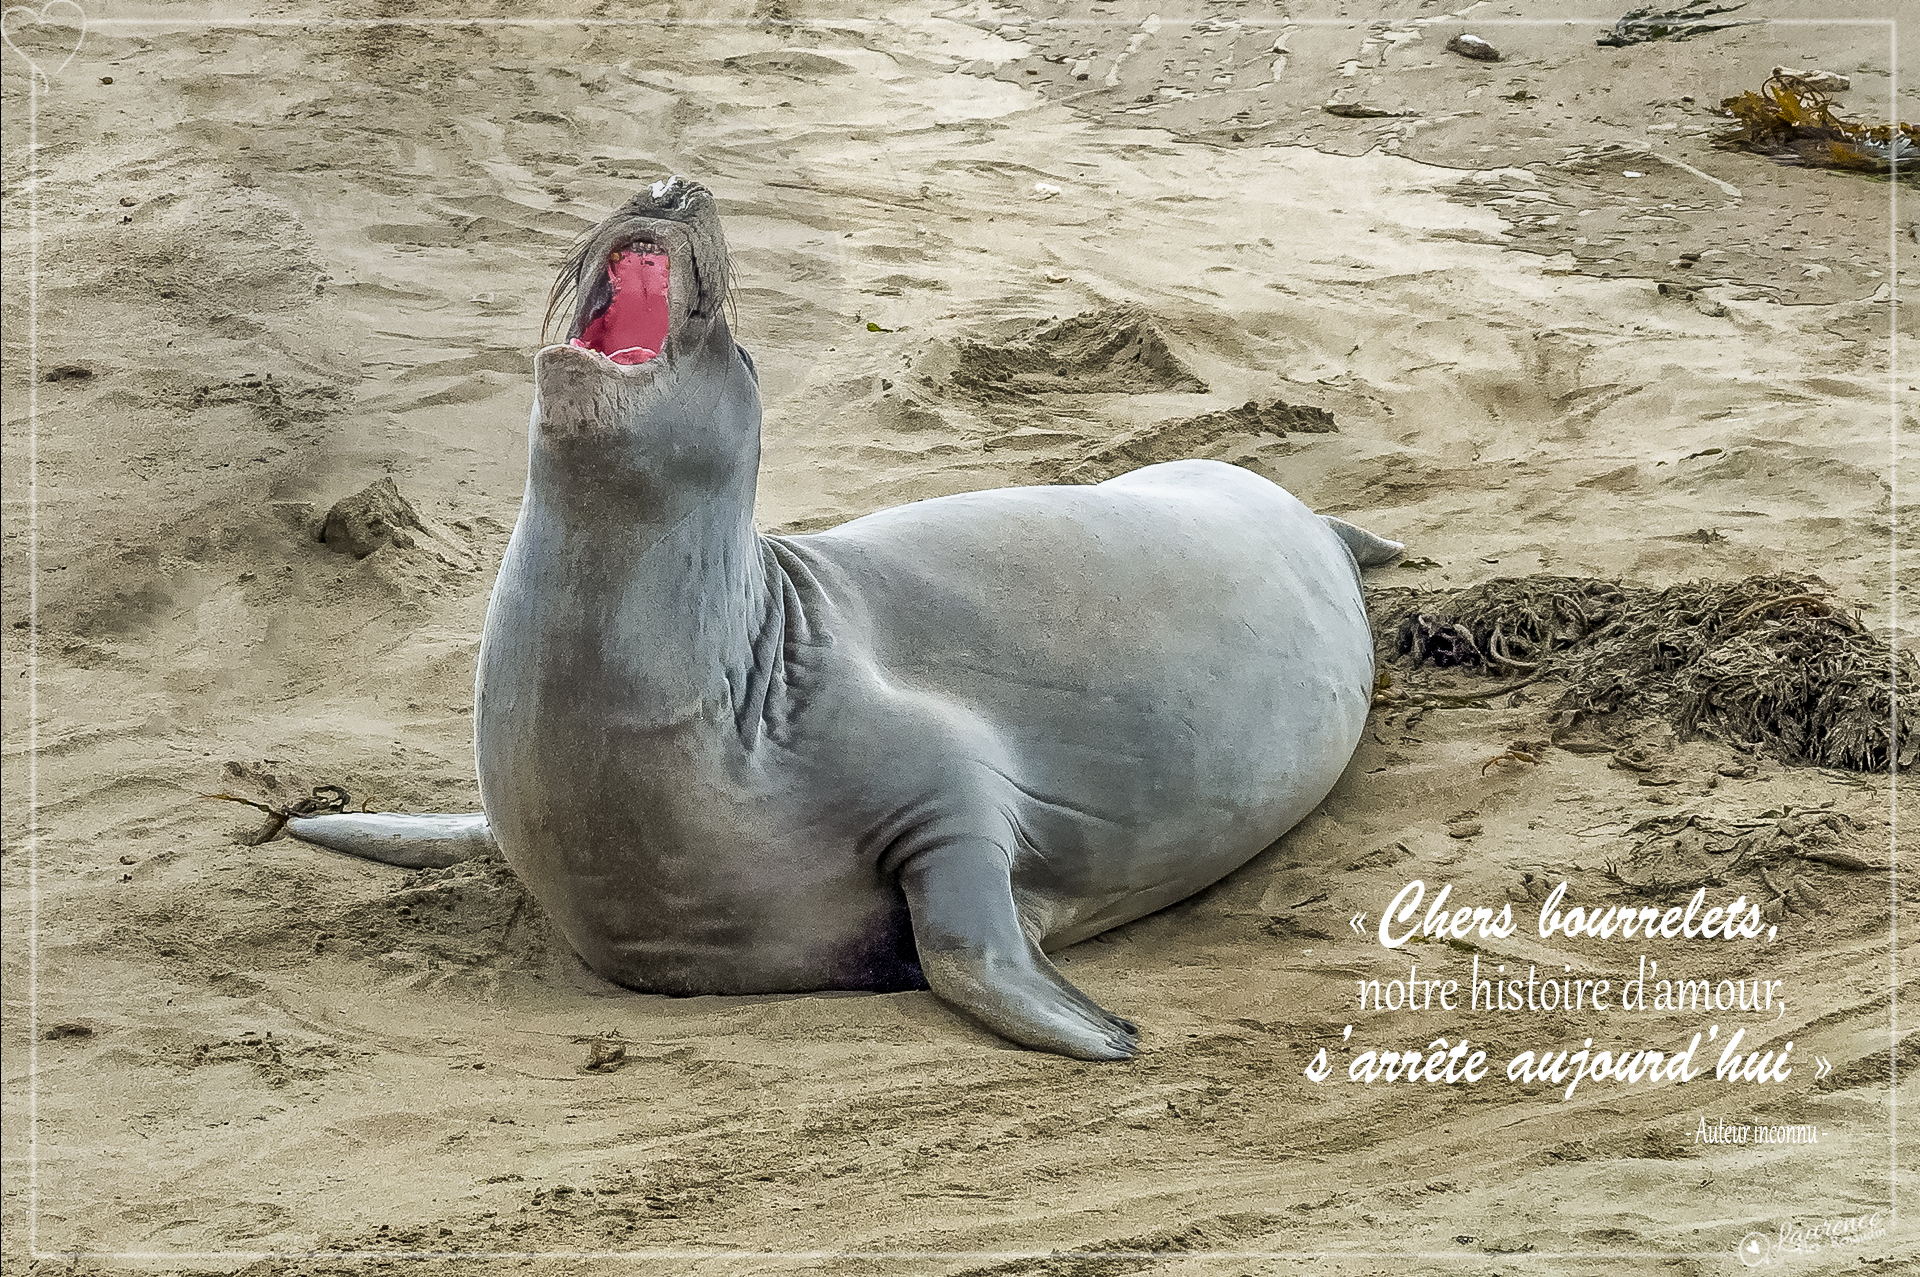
<point>1794,123</point>
<point>1508,624</point>
<point>1639,26</point>
<point>1769,662</point>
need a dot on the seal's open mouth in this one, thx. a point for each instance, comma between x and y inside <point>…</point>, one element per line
<point>632,327</point>
<point>653,275</point>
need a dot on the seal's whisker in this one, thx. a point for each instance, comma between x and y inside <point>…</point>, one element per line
<point>566,285</point>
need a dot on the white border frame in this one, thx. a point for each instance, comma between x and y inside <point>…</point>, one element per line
<point>37,76</point>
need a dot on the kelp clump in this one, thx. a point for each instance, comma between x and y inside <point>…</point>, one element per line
<point>1771,662</point>
<point>1794,123</point>
<point>1641,26</point>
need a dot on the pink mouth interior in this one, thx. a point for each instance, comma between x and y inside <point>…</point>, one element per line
<point>633,327</point>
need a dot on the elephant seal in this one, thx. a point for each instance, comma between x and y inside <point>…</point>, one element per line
<point>917,750</point>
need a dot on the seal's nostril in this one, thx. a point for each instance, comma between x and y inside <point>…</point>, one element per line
<point>672,191</point>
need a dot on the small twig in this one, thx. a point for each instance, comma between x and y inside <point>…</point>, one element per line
<point>1467,698</point>
<point>324,798</point>
<point>277,818</point>
<point>1512,755</point>
<point>234,798</point>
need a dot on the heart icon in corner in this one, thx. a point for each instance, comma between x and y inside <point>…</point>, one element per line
<point>56,14</point>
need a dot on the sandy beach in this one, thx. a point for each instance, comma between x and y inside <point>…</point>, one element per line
<point>1521,315</point>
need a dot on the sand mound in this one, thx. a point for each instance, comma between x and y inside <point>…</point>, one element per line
<point>472,918</point>
<point>1770,662</point>
<point>378,516</point>
<point>1190,436</point>
<point>1115,350</point>
<point>276,404</point>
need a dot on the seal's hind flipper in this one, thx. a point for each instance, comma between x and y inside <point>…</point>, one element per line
<point>427,841</point>
<point>979,958</point>
<point>1369,551</point>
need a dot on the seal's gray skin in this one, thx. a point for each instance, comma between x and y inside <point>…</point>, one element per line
<point>932,743</point>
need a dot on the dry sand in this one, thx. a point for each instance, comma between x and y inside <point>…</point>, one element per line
<point>292,258</point>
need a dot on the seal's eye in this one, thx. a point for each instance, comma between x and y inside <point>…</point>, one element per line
<point>633,327</point>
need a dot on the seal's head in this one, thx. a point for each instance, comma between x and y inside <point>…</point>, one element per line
<point>643,296</point>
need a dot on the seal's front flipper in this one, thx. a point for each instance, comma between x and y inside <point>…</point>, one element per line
<point>979,958</point>
<point>428,841</point>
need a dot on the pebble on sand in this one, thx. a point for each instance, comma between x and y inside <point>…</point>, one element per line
<point>1472,46</point>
